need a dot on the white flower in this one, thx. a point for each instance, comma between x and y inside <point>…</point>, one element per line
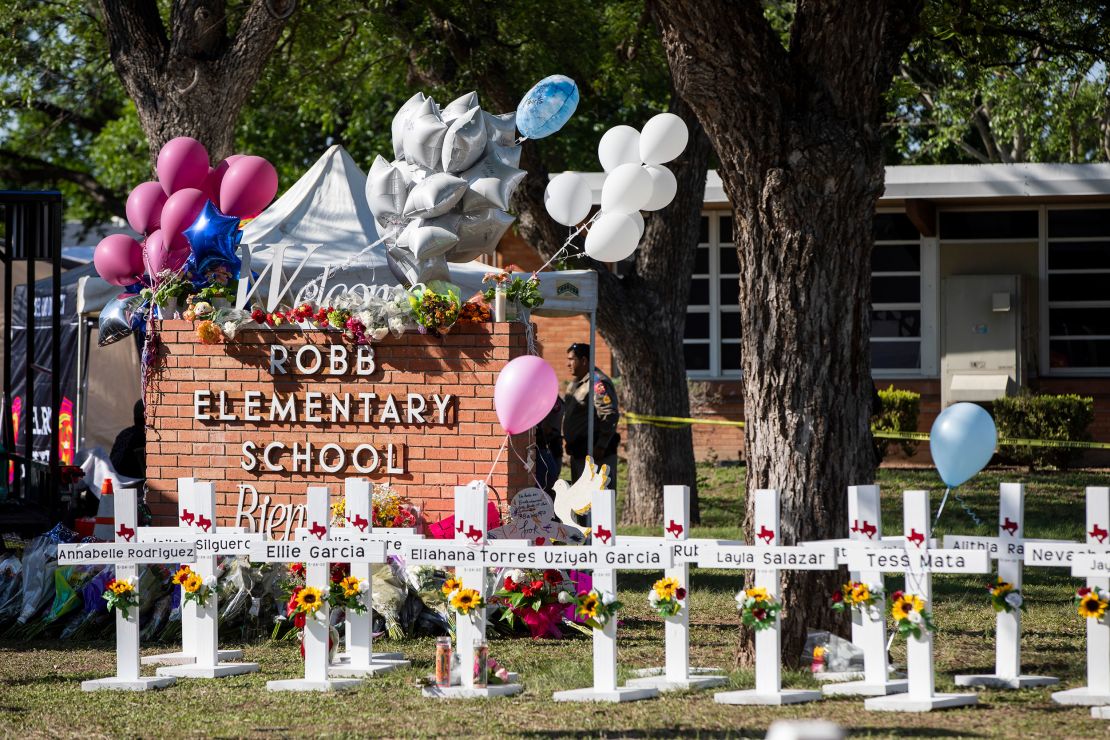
<point>517,575</point>
<point>914,617</point>
<point>607,599</point>
<point>876,590</point>
<point>210,581</point>
<point>378,333</point>
<point>601,619</point>
<point>363,586</point>
<point>1014,599</point>
<point>653,598</point>
<point>565,597</point>
<point>874,613</point>
<point>741,597</point>
<point>230,327</point>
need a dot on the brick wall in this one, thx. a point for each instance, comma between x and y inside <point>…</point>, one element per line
<point>436,457</point>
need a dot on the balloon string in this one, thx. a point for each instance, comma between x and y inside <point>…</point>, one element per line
<point>959,499</point>
<point>350,260</point>
<point>940,509</point>
<point>497,459</point>
<point>566,244</point>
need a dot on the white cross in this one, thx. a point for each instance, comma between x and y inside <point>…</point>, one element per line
<point>317,552</point>
<point>766,557</point>
<point>918,562</point>
<point>125,555</point>
<point>1084,559</point>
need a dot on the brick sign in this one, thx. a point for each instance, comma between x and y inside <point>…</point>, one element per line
<point>272,412</point>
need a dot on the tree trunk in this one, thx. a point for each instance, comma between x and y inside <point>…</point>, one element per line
<point>194,79</point>
<point>798,135</point>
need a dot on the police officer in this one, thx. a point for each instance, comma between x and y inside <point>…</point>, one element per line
<point>575,419</point>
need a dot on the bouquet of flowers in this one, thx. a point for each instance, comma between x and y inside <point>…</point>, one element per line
<point>120,594</point>
<point>910,617</point>
<point>462,600</point>
<point>758,608</point>
<point>1091,602</point>
<point>435,306</point>
<point>496,673</point>
<point>1004,598</point>
<point>304,602</point>
<point>667,597</point>
<point>863,597</point>
<point>388,508</point>
<point>193,587</point>
<point>349,593</point>
<point>524,291</point>
<point>596,608</point>
<point>533,597</point>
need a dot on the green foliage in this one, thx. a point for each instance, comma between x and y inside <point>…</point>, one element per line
<point>898,414</point>
<point>1043,417</point>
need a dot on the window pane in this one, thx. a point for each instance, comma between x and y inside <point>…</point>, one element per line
<point>699,292</point>
<point>697,356</point>
<point>895,355</point>
<point>1079,256</point>
<point>730,325</point>
<point>697,326</point>
<point>896,258</point>
<point>895,323</point>
<point>730,291</point>
<point>1079,222</point>
<point>730,261</point>
<point>1078,287</point>
<point>988,224</point>
<point>730,357</point>
<point>1079,353</point>
<point>726,229</point>
<point>703,232</point>
<point>906,289</point>
<point>893,226</point>
<point>701,261</point>
<point>1079,321</point>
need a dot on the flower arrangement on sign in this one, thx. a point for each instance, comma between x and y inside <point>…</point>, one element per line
<point>1091,602</point>
<point>193,587</point>
<point>475,311</point>
<point>388,508</point>
<point>910,617</point>
<point>523,291</point>
<point>1004,597</point>
<point>120,594</point>
<point>667,597</point>
<point>435,306</point>
<point>533,597</point>
<point>758,608</point>
<point>862,597</point>
<point>595,608</point>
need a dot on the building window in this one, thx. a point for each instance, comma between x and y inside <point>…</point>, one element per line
<point>712,338</point>
<point>895,295</point>
<point>1078,299</point>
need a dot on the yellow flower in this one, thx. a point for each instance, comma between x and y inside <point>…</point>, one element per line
<point>758,593</point>
<point>1002,588</point>
<point>818,653</point>
<point>466,599</point>
<point>588,606</point>
<point>121,587</point>
<point>450,586</point>
<point>181,574</point>
<point>192,583</point>
<point>209,333</point>
<point>309,599</point>
<point>666,588</point>
<point>1092,607</point>
<point>860,593</point>
<point>904,605</point>
<point>338,509</point>
<point>349,585</point>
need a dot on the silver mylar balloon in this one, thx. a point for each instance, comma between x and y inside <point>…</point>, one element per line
<point>479,232</point>
<point>430,241</point>
<point>501,129</point>
<point>434,196</point>
<point>400,123</point>
<point>510,155</point>
<point>465,141</point>
<point>386,190</point>
<point>459,106</point>
<point>115,319</point>
<point>424,136</point>
<point>491,183</point>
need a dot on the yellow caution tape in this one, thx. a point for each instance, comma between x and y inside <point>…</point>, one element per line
<point>675,422</point>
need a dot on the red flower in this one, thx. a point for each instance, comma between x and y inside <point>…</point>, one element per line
<point>837,597</point>
<point>1083,591</point>
<point>552,576</point>
<point>297,569</point>
<point>291,606</point>
<point>896,595</point>
<point>298,620</point>
<point>537,585</point>
<point>510,584</point>
<point>339,571</point>
<point>680,593</point>
<point>528,590</point>
<point>258,316</point>
<point>759,614</point>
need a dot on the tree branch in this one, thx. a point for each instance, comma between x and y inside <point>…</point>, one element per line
<point>26,170</point>
<point>254,41</point>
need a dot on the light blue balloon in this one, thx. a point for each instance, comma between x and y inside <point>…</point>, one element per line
<point>547,106</point>
<point>962,442</point>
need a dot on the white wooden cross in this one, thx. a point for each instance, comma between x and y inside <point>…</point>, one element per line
<point>125,555</point>
<point>1085,560</point>
<point>918,562</point>
<point>869,634</point>
<point>767,558</point>
<point>317,552</point>
<point>676,674</point>
<point>1009,549</point>
<point>199,527</point>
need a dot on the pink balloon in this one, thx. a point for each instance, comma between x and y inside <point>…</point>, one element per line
<point>248,186</point>
<point>216,176</point>
<point>160,256</point>
<point>182,163</point>
<point>119,259</point>
<point>525,391</point>
<point>182,209</point>
<point>144,207</point>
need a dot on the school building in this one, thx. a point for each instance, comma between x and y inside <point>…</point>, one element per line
<point>986,279</point>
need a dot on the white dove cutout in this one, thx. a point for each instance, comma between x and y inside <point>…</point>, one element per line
<point>574,498</point>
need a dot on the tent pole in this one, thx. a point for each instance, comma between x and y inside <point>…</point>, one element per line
<point>590,393</point>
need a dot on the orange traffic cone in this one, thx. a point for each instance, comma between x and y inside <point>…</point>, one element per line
<point>106,513</point>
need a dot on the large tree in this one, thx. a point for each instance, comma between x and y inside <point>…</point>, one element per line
<point>797,128</point>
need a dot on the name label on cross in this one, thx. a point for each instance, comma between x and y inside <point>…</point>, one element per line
<point>1091,564</point>
<point>1058,555</point>
<point>931,561</point>
<point>769,558</point>
<point>996,547</point>
<point>634,556</point>
<point>323,551</point>
<point>127,553</point>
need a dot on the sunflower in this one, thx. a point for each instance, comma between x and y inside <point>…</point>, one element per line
<point>1002,588</point>
<point>587,606</point>
<point>350,586</point>
<point>465,600</point>
<point>758,593</point>
<point>181,574</point>
<point>309,599</point>
<point>120,587</point>
<point>450,586</point>
<point>1091,606</point>
<point>666,588</point>
<point>903,606</point>
<point>192,583</point>
<point>860,593</point>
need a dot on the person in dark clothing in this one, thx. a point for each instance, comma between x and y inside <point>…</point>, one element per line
<point>549,447</point>
<point>128,454</point>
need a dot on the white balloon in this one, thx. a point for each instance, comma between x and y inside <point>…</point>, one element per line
<point>627,188</point>
<point>663,138</point>
<point>567,198</point>
<point>639,219</point>
<point>612,237</point>
<point>619,145</point>
<point>663,186</point>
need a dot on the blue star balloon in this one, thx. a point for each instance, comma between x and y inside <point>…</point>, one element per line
<point>213,238</point>
<point>547,106</point>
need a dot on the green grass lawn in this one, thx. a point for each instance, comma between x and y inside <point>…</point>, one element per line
<point>40,693</point>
